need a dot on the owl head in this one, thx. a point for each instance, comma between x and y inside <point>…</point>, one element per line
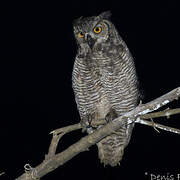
<point>93,32</point>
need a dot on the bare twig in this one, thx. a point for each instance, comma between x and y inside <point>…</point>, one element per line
<point>55,160</point>
<point>66,129</point>
<point>166,112</point>
<point>159,126</point>
<point>57,135</point>
<point>2,173</point>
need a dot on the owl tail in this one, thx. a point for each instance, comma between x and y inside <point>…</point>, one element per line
<point>111,148</point>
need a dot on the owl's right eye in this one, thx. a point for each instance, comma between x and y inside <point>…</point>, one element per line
<point>80,35</point>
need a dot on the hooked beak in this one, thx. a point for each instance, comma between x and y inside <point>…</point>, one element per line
<point>90,41</point>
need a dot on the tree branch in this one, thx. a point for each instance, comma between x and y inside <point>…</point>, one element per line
<point>2,173</point>
<point>53,160</point>
<point>166,113</point>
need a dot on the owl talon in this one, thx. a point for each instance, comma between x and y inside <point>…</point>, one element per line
<point>83,125</point>
<point>90,118</point>
<point>86,121</point>
<point>111,115</point>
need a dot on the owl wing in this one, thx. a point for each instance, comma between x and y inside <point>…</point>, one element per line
<point>77,85</point>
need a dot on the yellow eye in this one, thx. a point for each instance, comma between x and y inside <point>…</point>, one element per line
<point>97,30</point>
<point>80,35</point>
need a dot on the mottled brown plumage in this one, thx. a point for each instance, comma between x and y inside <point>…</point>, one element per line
<point>104,81</point>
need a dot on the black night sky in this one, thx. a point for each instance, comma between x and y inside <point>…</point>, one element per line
<point>36,60</point>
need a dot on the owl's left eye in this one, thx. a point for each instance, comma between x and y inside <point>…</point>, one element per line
<point>80,35</point>
<point>97,30</point>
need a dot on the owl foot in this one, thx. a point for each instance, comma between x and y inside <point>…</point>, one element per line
<point>86,121</point>
<point>111,115</point>
<point>83,125</point>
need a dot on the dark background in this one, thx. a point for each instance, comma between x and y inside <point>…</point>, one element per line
<point>37,55</point>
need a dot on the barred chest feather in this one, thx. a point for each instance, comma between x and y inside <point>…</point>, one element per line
<point>105,82</point>
<point>102,82</point>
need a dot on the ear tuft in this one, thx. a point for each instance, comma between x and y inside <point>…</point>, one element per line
<point>76,21</point>
<point>105,15</point>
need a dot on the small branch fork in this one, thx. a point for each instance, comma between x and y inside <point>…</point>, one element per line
<point>137,115</point>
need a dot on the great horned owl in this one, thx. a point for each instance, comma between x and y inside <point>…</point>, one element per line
<point>104,81</point>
